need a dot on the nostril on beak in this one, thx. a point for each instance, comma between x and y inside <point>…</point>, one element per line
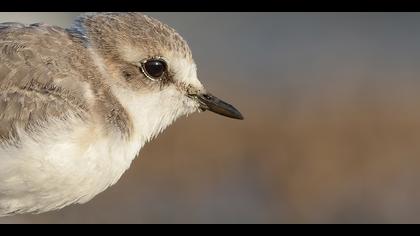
<point>209,102</point>
<point>207,97</point>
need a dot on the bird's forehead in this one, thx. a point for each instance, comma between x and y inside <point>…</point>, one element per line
<point>135,37</point>
<point>149,34</point>
<point>134,29</point>
<point>154,44</point>
<point>151,38</point>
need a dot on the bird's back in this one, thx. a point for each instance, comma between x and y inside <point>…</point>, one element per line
<point>43,98</point>
<point>78,104</point>
<point>38,77</point>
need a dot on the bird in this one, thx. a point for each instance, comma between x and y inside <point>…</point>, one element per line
<point>77,104</point>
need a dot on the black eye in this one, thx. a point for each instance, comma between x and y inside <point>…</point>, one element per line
<point>154,68</point>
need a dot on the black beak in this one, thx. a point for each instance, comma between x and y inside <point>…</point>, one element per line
<point>212,103</point>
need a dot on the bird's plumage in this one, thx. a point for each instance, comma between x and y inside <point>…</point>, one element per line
<point>75,109</point>
<point>34,84</point>
<point>76,105</point>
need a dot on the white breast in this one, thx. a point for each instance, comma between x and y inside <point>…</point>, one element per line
<point>68,162</point>
<point>71,162</point>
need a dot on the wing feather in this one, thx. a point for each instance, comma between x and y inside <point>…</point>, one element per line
<point>37,82</point>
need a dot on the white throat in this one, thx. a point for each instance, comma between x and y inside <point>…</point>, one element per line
<point>152,112</point>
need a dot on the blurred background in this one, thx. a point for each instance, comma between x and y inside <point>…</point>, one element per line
<point>331,131</point>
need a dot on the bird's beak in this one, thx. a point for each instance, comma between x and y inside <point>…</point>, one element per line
<point>209,102</point>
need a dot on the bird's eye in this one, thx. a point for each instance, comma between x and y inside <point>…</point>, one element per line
<point>154,68</point>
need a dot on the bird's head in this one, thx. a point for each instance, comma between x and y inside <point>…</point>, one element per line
<point>149,67</point>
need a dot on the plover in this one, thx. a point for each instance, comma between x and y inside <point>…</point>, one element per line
<point>78,104</point>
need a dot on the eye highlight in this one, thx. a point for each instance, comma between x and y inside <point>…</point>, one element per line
<point>154,68</point>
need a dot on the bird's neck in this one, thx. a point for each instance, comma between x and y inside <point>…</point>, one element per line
<point>149,113</point>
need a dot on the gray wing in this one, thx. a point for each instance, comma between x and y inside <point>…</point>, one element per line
<point>36,76</point>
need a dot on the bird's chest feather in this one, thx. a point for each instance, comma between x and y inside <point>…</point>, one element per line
<point>73,161</point>
<point>57,168</point>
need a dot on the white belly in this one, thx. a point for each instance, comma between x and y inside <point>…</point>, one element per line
<point>59,168</point>
<point>74,161</point>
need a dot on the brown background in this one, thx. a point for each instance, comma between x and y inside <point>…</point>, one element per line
<point>331,131</point>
